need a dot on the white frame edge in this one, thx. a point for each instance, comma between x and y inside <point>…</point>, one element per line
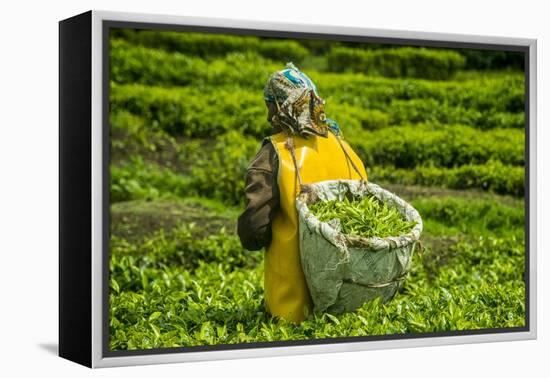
<point>97,206</point>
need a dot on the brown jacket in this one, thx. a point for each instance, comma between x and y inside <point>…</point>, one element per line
<point>262,199</point>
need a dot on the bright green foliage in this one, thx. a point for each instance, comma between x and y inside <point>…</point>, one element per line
<point>137,179</point>
<point>366,217</point>
<point>217,172</point>
<point>397,62</point>
<point>188,116</point>
<point>138,64</point>
<point>491,93</point>
<point>448,215</point>
<point>441,146</point>
<point>193,112</point>
<point>221,173</point>
<point>206,45</point>
<point>492,176</point>
<point>431,111</point>
<point>175,289</point>
<point>183,110</point>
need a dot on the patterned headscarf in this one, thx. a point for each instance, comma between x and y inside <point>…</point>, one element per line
<point>300,110</point>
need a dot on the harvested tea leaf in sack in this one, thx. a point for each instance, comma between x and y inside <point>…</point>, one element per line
<point>367,217</point>
<point>356,242</point>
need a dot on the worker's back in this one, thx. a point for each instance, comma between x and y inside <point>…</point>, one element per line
<point>319,159</point>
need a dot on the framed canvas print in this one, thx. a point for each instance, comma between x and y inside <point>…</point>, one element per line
<point>235,189</point>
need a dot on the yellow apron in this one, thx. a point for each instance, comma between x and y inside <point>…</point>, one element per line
<point>318,159</point>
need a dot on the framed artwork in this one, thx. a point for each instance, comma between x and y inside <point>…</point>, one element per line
<point>233,189</point>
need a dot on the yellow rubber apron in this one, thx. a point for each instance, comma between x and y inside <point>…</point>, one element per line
<point>318,159</point>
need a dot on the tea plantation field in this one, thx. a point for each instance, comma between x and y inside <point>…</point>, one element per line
<point>441,128</point>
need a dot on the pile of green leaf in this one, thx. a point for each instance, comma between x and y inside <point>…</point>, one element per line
<point>367,217</point>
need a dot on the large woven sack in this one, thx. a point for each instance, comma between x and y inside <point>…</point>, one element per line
<point>344,271</point>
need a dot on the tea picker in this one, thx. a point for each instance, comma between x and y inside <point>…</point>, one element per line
<point>312,265</point>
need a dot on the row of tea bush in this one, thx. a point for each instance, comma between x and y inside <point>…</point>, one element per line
<point>137,64</point>
<point>386,59</point>
<point>192,111</point>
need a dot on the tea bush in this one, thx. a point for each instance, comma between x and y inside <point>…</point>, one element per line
<point>434,112</point>
<point>203,113</point>
<point>493,60</point>
<point>397,62</point>
<point>138,64</point>
<point>504,93</point>
<point>198,112</point>
<point>135,179</point>
<point>207,45</point>
<point>193,112</point>
<point>134,135</point>
<point>178,290</point>
<point>216,173</point>
<point>492,176</point>
<point>216,169</point>
<point>442,146</point>
<point>470,215</point>
<point>221,173</point>
<point>181,247</point>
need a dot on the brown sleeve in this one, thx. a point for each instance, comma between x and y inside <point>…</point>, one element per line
<point>262,199</point>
